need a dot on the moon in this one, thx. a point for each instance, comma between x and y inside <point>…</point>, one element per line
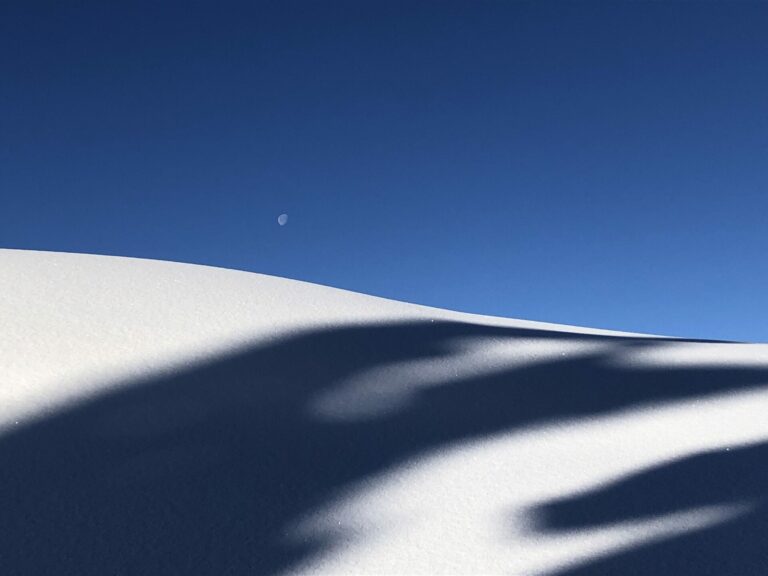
<point>282,219</point>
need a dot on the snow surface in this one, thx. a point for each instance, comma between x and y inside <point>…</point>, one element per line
<point>164,418</point>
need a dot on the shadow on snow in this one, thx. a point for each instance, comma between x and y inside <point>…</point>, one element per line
<point>733,548</point>
<point>204,470</point>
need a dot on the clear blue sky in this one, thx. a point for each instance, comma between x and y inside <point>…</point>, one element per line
<point>602,164</point>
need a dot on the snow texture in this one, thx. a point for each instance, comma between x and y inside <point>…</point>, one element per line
<point>163,418</point>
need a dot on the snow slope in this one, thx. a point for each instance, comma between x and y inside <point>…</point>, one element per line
<point>163,418</point>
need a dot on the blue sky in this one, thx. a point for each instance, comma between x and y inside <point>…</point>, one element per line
<point>601,164</point>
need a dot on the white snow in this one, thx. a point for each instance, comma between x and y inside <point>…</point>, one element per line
<point>158,417</point>
<point>74,324</point>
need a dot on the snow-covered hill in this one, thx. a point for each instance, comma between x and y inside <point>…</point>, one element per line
<point>162,418</point>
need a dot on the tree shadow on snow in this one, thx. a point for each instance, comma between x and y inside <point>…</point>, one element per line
<point>203,471</point>
<point>735,547</point>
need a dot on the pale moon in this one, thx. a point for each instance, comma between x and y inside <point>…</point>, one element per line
<point>282,219</point>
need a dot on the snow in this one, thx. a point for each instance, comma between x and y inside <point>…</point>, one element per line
<point>170,418</point>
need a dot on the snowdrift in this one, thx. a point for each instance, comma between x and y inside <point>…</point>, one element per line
<point>163,418</point>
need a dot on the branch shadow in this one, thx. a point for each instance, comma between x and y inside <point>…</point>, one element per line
<point>201,471</point>
<point>722,477</point>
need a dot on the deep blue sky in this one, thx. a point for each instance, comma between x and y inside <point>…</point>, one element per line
<point>602,164</point>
